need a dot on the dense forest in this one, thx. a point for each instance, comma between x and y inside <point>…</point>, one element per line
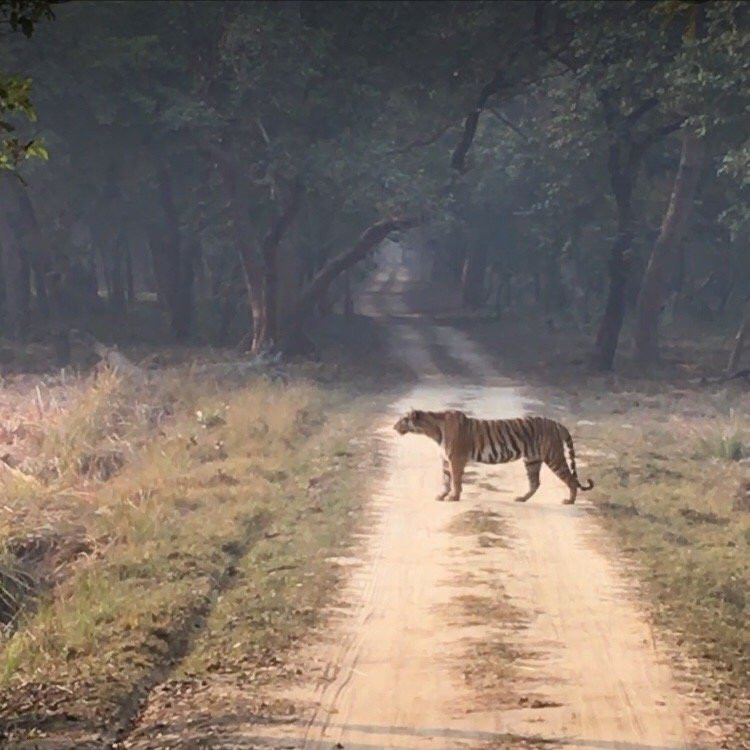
<point>237,164</point>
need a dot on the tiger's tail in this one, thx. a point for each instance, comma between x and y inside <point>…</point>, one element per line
<point>569,442</point>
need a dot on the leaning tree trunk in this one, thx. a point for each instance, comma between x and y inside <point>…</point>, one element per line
<point>368,242</point>
<point>739,343</point>
<point>670,236</point>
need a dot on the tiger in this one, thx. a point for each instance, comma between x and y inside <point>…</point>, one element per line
<point>537,440</point>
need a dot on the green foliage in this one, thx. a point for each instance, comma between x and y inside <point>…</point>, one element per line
<point>15,91</point>
<point>363,104</point>
<point>24,15</point>
<point>15,98</point>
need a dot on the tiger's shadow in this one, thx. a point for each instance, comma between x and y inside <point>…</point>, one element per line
<point>470,478</point>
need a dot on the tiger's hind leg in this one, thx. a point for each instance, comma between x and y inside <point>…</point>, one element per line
<point>533,465</point>
<point>561,470</point>
<point>446,481</point>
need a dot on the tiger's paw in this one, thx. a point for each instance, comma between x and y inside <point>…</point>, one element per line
<point>568,501</point>
<point>451,498</point>
<point>439,498</point>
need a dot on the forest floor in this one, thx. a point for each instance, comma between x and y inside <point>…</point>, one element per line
<point>263,565</point>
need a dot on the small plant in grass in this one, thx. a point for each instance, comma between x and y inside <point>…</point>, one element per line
<point>729,443</point>
<point>211,417</point>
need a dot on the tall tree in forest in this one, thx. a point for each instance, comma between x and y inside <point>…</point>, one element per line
<point>671,235</point>
<point>15,99</point>
<point>674,224</point>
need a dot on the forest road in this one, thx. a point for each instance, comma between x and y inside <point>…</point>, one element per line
<point>405,667</point>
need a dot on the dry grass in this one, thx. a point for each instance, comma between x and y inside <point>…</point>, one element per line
<point>670,497</point>
<point>178,518</point>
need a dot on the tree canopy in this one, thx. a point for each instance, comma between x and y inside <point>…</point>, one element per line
<point>234,156</point>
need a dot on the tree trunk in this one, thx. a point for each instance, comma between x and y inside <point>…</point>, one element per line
<point>610,327</point>
<point>129,281</point>
<point>671,235</point>
<point>40,259</point>
<point>248,252</point>
<point>13,272</point>
<point>40,288</point>
<point>265,334</point>
<point>622,172</point>
<point>472,277</point>
<point>739,343</point>
<point>157,263</point>
<point>185,284</point>
<point>117,302</point>
<point>176,264</point>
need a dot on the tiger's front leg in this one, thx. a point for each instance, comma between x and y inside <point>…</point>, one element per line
<point>446,481</point>
<point>457,465</point>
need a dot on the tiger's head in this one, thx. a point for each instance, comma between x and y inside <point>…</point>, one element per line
<point>415,421</point>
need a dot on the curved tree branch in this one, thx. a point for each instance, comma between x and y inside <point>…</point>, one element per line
<point>367,243</point>
<point>496,85</point>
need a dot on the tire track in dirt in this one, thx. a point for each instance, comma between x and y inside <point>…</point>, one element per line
<point>180,641</point>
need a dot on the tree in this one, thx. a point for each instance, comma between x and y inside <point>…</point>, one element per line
<point>672,234</point>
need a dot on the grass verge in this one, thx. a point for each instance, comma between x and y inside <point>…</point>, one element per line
<point>207,542</point>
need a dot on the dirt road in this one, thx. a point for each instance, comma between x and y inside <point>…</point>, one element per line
<point>523,634</point>
<point>588,673</point>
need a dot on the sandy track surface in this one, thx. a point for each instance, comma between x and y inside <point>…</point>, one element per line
<point>392,672</point>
